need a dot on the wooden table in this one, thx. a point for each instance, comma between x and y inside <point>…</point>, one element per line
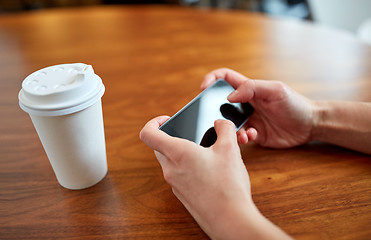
<point>152,60</point>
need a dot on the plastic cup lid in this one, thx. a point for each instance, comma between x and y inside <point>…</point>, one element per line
<point>60,90</point>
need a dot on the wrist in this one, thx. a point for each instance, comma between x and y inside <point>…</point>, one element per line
<point>235,220</point>
<point>342,123</point>
<point>319,111</point>
<point>246,222</point>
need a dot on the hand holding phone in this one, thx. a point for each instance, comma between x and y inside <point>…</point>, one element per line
<point>195,121</point>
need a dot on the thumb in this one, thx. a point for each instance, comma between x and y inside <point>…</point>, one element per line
<point>225,131</point>
<point>260,90</point>
<point>244,92</point>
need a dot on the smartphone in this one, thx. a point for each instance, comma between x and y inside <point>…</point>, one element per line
<point>195,121</point>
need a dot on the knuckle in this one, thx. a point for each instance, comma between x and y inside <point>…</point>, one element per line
<point>168,176</point>
<point>248,87</point>
<point>143,135</point>
<point>281,87</point>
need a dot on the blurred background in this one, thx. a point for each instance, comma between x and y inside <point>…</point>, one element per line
<point>293,8</point>
<point>352,16</point>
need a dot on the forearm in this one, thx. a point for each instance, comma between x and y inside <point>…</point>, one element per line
<point>347,124</point>
<point>260,227</point>
<point>246,222</point>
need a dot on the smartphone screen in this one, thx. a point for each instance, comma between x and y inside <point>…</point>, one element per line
<point>195,121</point>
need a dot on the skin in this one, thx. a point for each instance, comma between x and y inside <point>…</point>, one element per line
<point>213,183</point>
<point>283,118</point>
<point>292,112</point>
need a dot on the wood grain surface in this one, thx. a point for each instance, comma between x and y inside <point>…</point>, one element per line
<point>152,60</point>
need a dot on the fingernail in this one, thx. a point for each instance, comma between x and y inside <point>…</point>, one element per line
<point>233,94</point>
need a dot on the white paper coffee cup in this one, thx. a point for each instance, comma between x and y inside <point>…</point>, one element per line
<point>64,103</point>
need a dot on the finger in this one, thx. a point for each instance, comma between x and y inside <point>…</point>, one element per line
<point>225,131</point>
<point>242,136</point>
<point>244,93</point>
<point>232,77</point>
<point>259,89</point>
<point>255,122</point>
<point>252,134</point>
<point>246,134</point>
<point>152,136</point>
